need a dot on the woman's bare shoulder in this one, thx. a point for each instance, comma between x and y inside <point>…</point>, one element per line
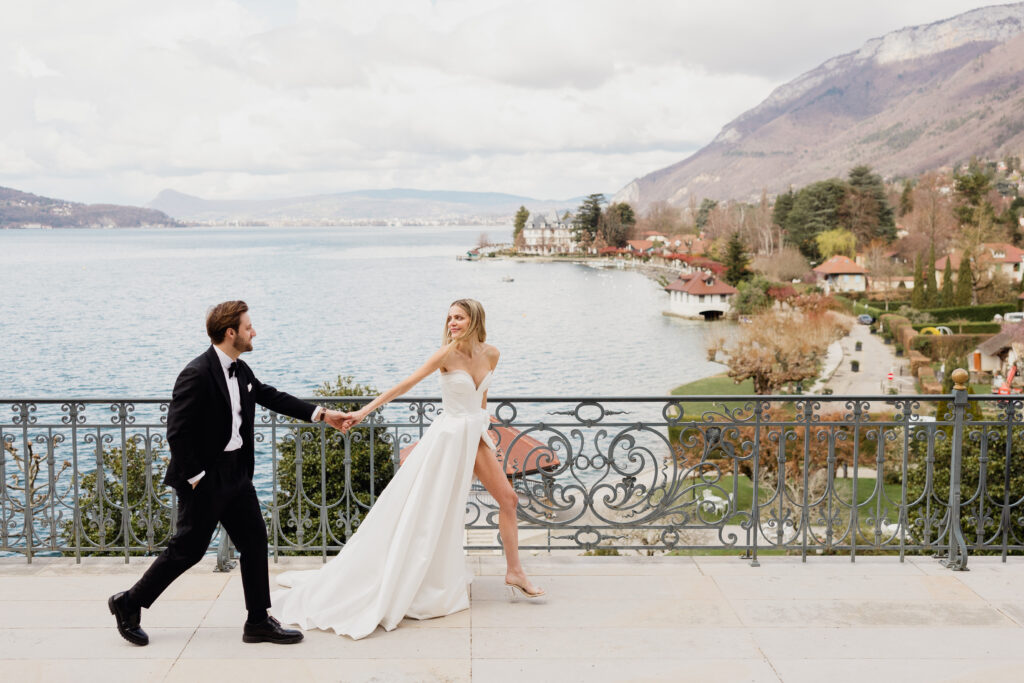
<point>492,354</point>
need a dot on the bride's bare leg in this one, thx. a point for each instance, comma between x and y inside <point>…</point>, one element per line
<point>490,473</point>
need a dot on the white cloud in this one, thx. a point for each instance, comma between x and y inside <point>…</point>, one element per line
<point>114,100</point>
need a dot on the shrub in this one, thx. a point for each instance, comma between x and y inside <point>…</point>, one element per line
<point>938,347</point>
<point>349,494</point>
<point>983,313</point>
<point>101,500</point>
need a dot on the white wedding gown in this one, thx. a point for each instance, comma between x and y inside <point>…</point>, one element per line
<point>406,558</point>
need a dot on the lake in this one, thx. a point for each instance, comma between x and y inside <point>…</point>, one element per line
<point>117,313</point>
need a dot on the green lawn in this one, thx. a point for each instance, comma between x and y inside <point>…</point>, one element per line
<point>718,385</point>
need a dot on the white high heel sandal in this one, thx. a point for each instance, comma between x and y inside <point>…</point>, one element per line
<point>514,588</point>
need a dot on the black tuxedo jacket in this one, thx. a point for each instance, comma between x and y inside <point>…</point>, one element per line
<point>199,418</point>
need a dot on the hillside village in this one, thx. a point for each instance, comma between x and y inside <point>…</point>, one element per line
<point>936,262</point>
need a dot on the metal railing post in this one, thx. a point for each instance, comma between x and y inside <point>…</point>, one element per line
<point>956,557</point>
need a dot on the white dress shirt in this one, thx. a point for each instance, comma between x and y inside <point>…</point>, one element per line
<point>234,393</point>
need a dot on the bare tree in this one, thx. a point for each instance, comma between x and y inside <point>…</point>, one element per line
<point>780,347</point>
<point>483,241</point>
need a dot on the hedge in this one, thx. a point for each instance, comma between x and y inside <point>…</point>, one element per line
<point>980,313</point>
<point>964,328</point>
<point>939,347</point>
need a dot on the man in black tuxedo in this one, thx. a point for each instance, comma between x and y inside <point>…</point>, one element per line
<point>210,432</point>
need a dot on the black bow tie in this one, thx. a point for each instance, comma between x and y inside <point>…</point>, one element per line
<point>232,369</point>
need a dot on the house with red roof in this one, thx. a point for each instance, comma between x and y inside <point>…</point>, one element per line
<point>841,274</point>
<point>993,257</point>
<point>640,247</point>
<point>699,294</point>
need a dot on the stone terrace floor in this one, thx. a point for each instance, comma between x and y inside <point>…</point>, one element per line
<point>606,619</point>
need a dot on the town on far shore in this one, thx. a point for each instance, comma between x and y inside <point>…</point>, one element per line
<point>932,264</point>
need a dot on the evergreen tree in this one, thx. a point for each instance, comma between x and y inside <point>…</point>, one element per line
<point>932,286</point>
<point>919,297</point>
<point>907,198</point>
<point>815,210</point>
<point>702,213</point>
<point>522,215</point>
<point>947,299</point>
<point>870,185</point>
<point>964,283</point>
<point>735,261</point>
<point>783,205</point>
<point>588,217</point>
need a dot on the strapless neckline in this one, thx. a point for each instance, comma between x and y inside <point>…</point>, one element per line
<point>476,386</point>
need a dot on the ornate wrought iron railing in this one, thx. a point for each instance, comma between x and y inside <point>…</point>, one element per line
<point>801,475</point>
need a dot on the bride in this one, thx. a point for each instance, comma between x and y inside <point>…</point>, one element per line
<point>406,558</point>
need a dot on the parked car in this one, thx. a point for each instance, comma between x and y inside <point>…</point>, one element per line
<point>1014,317</point>
<point>865,319</point>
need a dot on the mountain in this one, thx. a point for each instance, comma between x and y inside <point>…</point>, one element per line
<point>21,209</point>
<point>913,100</point>
<point>358,206</point>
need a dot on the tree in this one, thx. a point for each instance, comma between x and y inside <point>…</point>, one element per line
<point>836,241</point>
<point>932,285</point>
<point>101,499</point>
<point>702,213</point>
<point>868,212</point>
<point>522,215</point>
<point>964,282</point>
<point>783,205</point>
<point>972,189</point>
<point>947,298</point>
<point>483,241</point>
<point>349,493</point>
<point>616,224</point>
<point>815,209</point>
<point>784,265</point>
<point>919,297</point>
<point>661,217</point>
<point>780,347</point>
<point>735,261</point>
<point>907,198</point>
<point>588,216</point>
<point>752,296</point>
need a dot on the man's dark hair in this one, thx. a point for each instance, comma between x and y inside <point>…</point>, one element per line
<point>223,317</point>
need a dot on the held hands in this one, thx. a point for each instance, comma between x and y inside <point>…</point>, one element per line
<point>343,421</point>
<point>350,420</point>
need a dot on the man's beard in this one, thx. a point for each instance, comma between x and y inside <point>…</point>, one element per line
<point>241,346</point>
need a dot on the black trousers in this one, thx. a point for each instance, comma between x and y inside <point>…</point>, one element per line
<point>225,494</point>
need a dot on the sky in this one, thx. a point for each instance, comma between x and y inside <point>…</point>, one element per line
<point>112,101</point>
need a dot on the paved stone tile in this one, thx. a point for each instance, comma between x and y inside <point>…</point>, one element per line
<point>598,613</point>
<point>911,586</point>
<point>313,670</point>
<point>860,670</point>
<point>994,586</point>
<point>624,642</point>
<point>190,586</point>
<point>95,614</point>
<point>402,643</point>
<point>553,565</point>
<point>89,643</point>
<point>830,613</point>
<point>647,669</point>
<point>225,613</point>
<point>873,565</point>
<point>604,587</point>
<point>87,671</point>
<point>1012,609</point>
<point>890,643</point>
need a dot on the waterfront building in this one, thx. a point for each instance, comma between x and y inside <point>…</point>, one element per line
<point>841,274</point>
<point>546,234</point>
<point>699,294</point>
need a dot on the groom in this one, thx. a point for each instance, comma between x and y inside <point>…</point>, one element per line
<point>210,432</point>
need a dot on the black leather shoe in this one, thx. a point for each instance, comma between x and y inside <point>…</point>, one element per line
<point>128,620</point>
<point>269,631</point>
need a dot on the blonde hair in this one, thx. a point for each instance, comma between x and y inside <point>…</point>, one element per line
<point>475,310</point>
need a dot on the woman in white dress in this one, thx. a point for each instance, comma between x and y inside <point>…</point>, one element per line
<point>406,558</point>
